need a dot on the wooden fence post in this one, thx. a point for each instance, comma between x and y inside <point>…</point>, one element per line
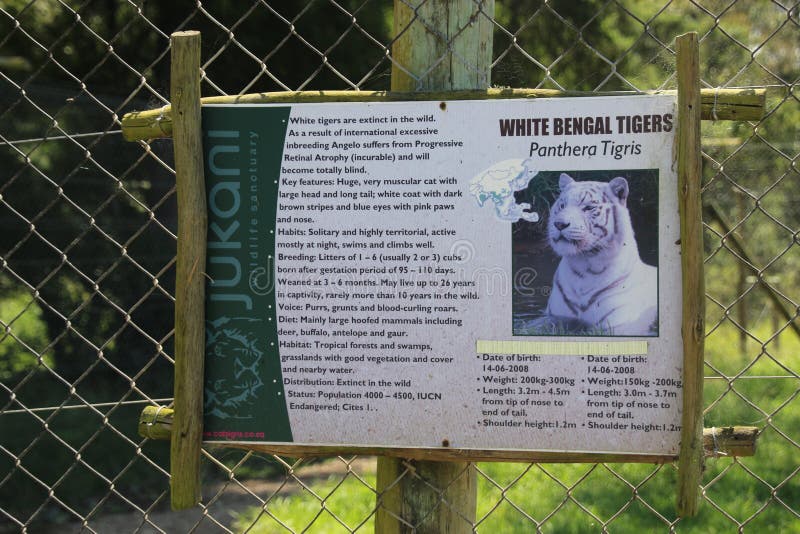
<point>690,460</point>
<point>441,45</point>
<point>187,425</point>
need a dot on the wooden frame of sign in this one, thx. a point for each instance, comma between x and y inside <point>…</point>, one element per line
<point>182,423</point>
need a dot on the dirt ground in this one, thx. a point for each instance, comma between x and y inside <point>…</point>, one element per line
<point>226,502</point>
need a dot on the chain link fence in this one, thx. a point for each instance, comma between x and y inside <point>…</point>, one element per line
<point>87,258</point>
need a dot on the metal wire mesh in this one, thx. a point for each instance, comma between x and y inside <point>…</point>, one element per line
<point>88,244</point>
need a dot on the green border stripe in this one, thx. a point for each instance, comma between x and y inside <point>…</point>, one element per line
<point>562,348</point>
<point>244,394</point>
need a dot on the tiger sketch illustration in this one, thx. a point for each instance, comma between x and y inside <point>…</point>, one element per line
<point>238,360</point>
<point>601,284</point>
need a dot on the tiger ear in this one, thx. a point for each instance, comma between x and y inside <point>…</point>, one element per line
<point>564,180</point>
<point>619,186</point>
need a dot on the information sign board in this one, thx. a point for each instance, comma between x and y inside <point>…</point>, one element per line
<point>498,274</point>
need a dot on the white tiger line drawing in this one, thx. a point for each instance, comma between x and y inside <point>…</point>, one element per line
<point>601,281</point>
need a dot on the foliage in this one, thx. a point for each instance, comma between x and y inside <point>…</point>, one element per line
<point>24,335</point>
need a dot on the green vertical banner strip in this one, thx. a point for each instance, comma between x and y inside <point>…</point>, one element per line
<point>243,388</point>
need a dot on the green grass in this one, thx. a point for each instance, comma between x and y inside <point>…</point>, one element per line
<point>323,508</point>
<point>570,498</point>
<point>546,326</point>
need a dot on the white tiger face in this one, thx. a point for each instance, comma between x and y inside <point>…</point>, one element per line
<point>588,217</point>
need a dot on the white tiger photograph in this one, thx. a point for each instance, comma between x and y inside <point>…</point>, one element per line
<point>590,266</point>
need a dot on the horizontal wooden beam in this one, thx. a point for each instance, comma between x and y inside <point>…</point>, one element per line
<point>730,441</point>
<point>716,104</point>
<point>155,422</point>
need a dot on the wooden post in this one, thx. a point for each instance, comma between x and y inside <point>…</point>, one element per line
<point>441,45</point>
<point>690,460</point>
<point>741,282</point>
<point>187,425</point>
<point>431,497</point>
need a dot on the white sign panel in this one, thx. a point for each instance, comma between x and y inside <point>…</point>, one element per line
<point>472,274</point>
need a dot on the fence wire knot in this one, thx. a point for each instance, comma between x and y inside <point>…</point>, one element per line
<point>716,452</point>
<point>162,116</point>
<point>155,416</point>
<point>714,107</point>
